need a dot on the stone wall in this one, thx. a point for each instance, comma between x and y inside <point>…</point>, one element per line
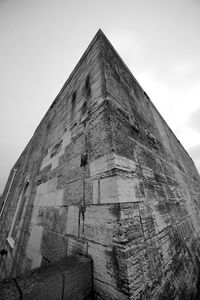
<point>158,226</point>
<point>56,163</point>
<point>71,278</point>
<point>109,179</point>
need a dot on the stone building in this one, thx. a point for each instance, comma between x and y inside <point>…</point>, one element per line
<point>104,176</point>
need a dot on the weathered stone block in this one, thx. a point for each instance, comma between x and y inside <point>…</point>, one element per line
<point>51,185</point>
<point>73,193</point>
<point>54,219</point>
<point>74,163</point>
<point>129,226</point>
<point>100,224</point>
<point>88,189</point>
<point>108,190</point>
<point>124,163</point>
<point>53,160</point>
<point>75,148</point>
<point>98,139</point>
<point>72,220</point>
<point>66,139</point>
<point>49,199</point>
<point>130,189</point>
<point>54,163</point>
<point>101,270</point>
<point>102,164</point>
<point>96,191</point>
<point>118,189</point>
<point>41,189</point>
<point>53,246</point>
<point>59,197</point>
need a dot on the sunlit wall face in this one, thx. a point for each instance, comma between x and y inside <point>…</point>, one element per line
<point>41,41</point>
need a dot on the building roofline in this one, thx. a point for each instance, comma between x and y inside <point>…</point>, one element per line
<point>100,34</point>
<point>95,38</point>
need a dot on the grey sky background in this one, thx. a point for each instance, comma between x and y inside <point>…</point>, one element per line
<point>42,40</point>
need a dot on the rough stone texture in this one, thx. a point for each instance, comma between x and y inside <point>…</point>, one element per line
<point>109,179</point>
<point>9,290</point>
<point>69,279</point>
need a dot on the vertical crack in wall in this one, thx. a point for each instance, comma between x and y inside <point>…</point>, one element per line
<point>63,286</point>
<point>20,292</point>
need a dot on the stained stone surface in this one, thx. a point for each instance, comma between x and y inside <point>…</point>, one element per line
<point>109,179</point>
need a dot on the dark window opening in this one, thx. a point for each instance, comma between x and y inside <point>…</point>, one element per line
<point>73,100</point>
<point>87,87</point>
<point>73,105</point>
<point>56,148</point>
<point>84,107</point>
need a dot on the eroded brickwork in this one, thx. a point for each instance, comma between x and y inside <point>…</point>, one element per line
<point>109,179</point>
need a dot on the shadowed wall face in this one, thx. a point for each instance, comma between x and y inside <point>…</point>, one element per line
<point>108,179</point>
<point>70,278</point>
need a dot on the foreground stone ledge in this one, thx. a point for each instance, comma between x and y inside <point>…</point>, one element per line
<point>9,290</point>
<point>70,278</point>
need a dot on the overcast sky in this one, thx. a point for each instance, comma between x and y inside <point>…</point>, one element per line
<point>42,40</point>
